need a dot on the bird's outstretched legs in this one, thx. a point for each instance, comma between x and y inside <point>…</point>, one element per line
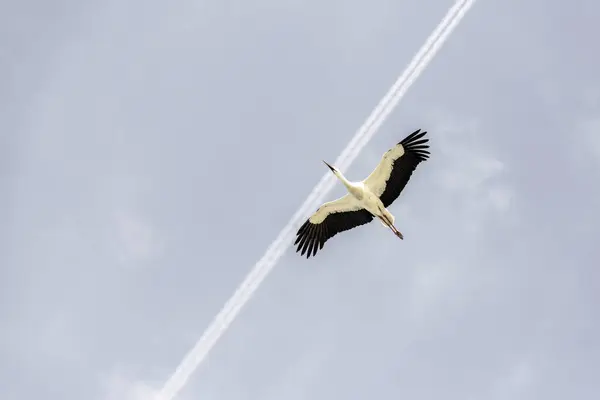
<point>397,232</point>
<point>392,227</point>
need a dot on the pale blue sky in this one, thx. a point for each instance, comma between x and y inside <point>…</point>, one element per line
<point>151,151</point>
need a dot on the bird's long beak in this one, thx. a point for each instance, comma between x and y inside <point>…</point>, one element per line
<point>330,167</point>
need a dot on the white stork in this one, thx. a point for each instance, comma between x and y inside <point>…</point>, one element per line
<point>366,199</point>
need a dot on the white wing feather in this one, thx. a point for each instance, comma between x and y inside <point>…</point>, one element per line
<point>376,181</point>
<point>343,204</point>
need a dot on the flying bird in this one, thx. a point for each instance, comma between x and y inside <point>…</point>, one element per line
<point>367,199</point>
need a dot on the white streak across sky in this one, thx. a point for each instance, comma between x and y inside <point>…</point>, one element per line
<point>261,269</point>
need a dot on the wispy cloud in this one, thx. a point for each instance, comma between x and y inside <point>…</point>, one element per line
<point>470,191</point>
<point>429,284</point>
<point>473,177</point>
<point>118,387</point>
<point>501,197</point>
<point>138,240</point>
<point>122,384</point>
<point>515,381</point>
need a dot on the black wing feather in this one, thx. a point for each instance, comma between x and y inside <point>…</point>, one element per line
<point>402,169</point>
<point>312,237</point>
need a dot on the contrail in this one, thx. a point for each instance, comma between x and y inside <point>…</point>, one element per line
<point>243,293</point>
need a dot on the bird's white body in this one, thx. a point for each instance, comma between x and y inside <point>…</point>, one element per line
<point>366,199</point>
<point>361,196</point>
<point>373,204</point>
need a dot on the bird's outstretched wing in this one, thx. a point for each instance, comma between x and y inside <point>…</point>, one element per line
<point>329,220</point>
<point>396,167</point>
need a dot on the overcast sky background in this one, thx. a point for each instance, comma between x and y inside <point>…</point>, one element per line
<point>150,151</point>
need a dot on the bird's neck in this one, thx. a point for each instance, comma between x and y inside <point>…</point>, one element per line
<point>342,178</point>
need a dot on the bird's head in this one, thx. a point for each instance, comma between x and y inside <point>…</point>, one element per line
<point>333,169</point>
<point>338,174</point>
